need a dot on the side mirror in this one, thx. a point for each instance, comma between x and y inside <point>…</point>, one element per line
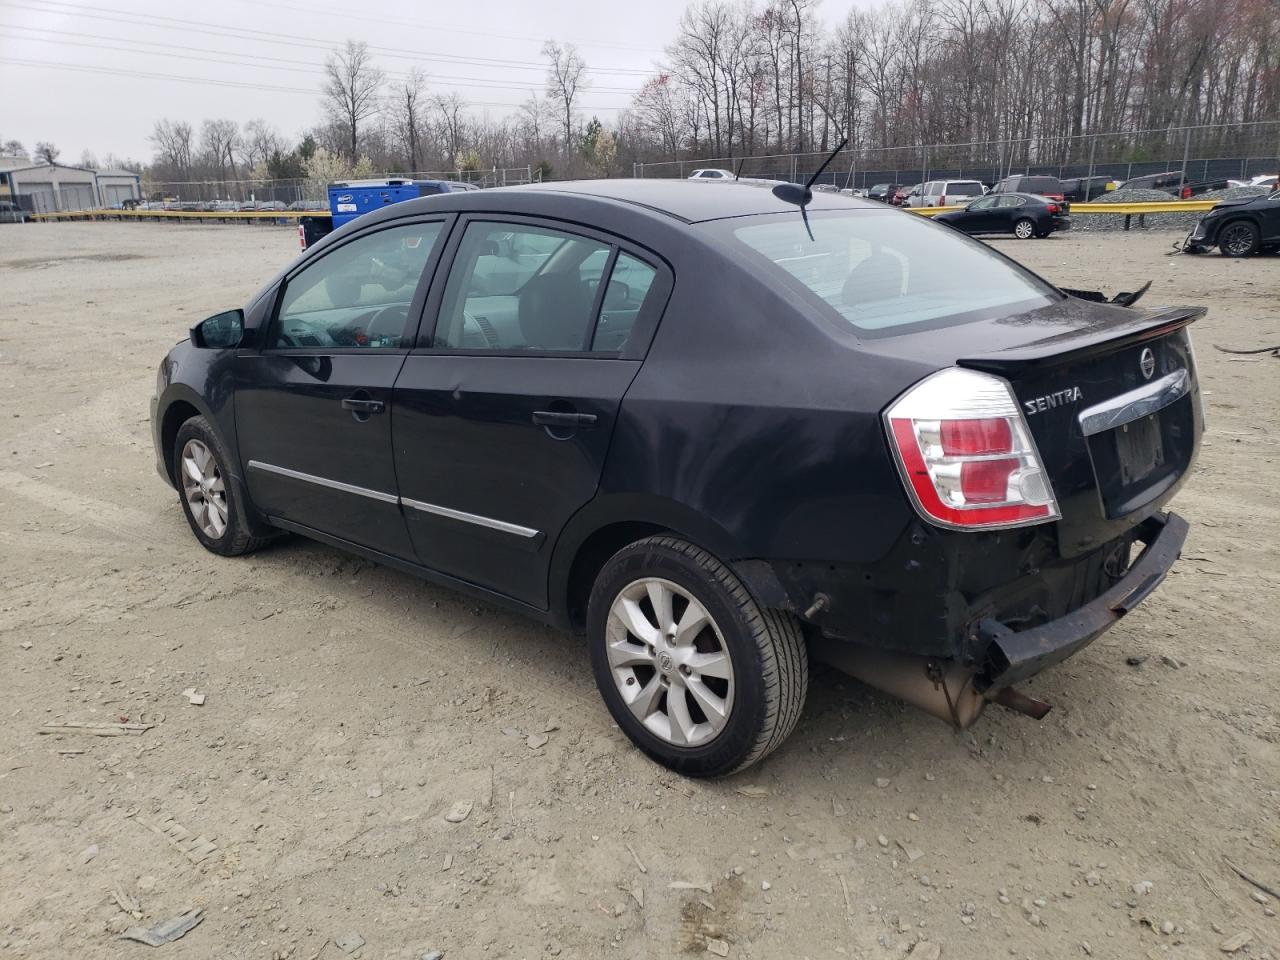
<point>220,332</point>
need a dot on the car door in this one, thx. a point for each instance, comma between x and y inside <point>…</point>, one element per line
<point>1008,209</point>
<point>1270,218</point>
<point>979,216</point>
<point>502,415</point>
<point>313,402</point>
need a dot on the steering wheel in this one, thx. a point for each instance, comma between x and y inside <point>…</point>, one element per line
<point>394,315</point>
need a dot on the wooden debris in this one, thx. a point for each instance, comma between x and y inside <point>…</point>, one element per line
<point>631,850</point>
<point>127,903</point>
<point>96,729</point>
<point>686,885</point>
<point>1248,879</point>
<point>196,849</point>
<point>1238,942</point>
<point>751,790</point>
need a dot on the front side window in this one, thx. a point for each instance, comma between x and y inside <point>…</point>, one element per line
<point>516,287</point>
<point>358,295</point>
<point>986,203</point>
<point>882,272</point>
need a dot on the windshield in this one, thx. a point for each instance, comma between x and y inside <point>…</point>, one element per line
<point>882,271</point>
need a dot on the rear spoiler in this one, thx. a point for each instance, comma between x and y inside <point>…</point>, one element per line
<point>1120,299</point>
<point>1080,344</point>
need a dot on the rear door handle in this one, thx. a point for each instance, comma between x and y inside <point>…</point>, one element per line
<point>358,405</point>
<point>572,421</point>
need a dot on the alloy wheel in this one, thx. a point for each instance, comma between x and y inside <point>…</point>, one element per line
<point>204,490</point>
<point>1238,239</point>
<point>1023,229</point>
<point>669,662</point>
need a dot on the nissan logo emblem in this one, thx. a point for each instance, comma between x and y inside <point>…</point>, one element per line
<point>1147,362</point>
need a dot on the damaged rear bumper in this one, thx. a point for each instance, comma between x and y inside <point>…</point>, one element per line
<point>1013,655</point>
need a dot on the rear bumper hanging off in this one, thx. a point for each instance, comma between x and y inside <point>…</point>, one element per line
<point>1013,656</point>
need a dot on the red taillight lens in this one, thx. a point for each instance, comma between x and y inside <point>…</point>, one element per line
<point>987,481</point>
<point>1186,193</point>
<point>966,453</point>
<point>1054,208</point>
<point>302,237</point>
<point>961,438</point>
<point>942,200</point>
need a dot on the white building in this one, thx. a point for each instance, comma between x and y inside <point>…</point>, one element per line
<point>54,187</point>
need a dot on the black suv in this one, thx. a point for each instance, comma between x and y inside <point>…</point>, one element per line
<point>717,430</point>
<point>1050,187</point>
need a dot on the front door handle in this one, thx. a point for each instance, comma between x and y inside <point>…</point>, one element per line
<point>570,421</point>
<point>362,406</point>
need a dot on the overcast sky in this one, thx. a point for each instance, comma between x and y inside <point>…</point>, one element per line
<point>97,75</point>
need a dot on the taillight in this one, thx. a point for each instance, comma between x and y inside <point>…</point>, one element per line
<point>302,237</point>
<point>1186,193</point>
<point>966,455</point>
<point>1054,208</point>
<point>942,200</point>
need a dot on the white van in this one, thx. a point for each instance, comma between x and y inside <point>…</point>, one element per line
<point>947,193</point>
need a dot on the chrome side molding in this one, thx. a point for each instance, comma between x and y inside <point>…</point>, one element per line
<point>492,524</point>
<point>324,482</point>
<point>1136,404</point>
<point>512,528</point>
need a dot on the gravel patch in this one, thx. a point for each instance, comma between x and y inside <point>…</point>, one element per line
<point>1091,223</point>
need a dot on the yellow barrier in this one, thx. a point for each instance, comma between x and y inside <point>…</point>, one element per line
<point>1137,207</point>
<point>182,214</point>
<point>1143,207</point>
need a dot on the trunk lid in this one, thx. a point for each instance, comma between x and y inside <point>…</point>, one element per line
<point>1115,411</point>
<point>1142,430</point>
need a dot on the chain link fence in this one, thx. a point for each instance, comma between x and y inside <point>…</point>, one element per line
<point>308,193</point>
<point>1234,151</point>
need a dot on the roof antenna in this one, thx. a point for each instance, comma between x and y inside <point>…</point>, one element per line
<point>738,172</point>
<point>800,196</point>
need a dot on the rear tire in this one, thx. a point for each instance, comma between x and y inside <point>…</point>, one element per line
<point>1239,238</point>
<point>1024,229</point>
<point>211,497</point>
<point>700,677</point>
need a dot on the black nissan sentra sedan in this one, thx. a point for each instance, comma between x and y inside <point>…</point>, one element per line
<point>716,431</point>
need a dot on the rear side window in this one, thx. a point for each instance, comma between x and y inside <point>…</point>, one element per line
<point>1040,185</point>
<point>517,287</point>
<point>881,272</point>
<point>962,189</point>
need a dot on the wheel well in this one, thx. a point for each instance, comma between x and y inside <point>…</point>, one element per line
<point>179,412</point>
<point>591,558</point>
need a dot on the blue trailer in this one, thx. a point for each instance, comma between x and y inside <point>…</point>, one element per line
<point>354,198</point>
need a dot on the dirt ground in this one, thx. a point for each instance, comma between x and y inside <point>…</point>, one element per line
<point>350,707</point>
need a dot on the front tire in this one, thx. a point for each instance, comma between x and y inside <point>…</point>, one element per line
<point>1024,229</point>
<point>1240,238</point>
<point>699,676</point>
<point>210,495</point>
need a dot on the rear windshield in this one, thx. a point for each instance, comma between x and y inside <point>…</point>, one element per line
<point>961,189</point>
<point>884,271</point>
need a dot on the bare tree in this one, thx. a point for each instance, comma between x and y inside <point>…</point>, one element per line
<point>407,115</point>
<point>449,107</point>
<point>219,142</point>
<point>172,142</point>
<point>46,152</point>
<point>565,80</point>
<point>351,89</point>
<point>535,116</point>
<point>13,148</point>
<point>258,142</point>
